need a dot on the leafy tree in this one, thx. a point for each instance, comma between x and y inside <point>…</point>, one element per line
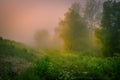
<point>92,15</point>
<point>42,38</point>
<point>73,29</point>
<point>109,32</point>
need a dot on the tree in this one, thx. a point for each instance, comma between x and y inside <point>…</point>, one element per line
<point>42,39</point>
<point>73,29</point>
<point>92,15</point>
<point>109,32</point>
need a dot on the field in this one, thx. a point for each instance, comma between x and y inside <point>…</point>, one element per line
<point>17,62</point>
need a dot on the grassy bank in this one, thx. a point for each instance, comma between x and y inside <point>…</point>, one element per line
<point>20,63</point>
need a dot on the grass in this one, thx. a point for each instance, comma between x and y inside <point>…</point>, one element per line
<point>14,59</point>
<point>20,63</point>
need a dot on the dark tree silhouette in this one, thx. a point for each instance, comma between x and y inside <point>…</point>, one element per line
<point>109,32</point>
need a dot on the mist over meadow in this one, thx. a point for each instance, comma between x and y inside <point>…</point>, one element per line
<point>59,39</point>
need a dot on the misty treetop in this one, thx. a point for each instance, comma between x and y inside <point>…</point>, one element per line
<point>69,54</point>
<point>76,30</point>
<point>94,29</point>
<point>73,29</point>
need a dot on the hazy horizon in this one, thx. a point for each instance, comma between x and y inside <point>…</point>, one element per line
<point>21,19</point>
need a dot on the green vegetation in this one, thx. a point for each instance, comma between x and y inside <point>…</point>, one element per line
<point>74,67</point>
<point>109,31</point>
<point>19,63</point>
<point>73,30</point>
<point>77,62</point>
<point>14,59</point>
<point>78,32</point>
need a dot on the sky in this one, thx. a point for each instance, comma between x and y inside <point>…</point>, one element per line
<point>20,19</point>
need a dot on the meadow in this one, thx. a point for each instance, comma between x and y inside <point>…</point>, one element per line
<point>18,62</point>
<point>46,40</point>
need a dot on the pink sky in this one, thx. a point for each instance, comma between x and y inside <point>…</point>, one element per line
<point>21,18</point>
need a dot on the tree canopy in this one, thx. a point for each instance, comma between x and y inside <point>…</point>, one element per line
<point>73,29</point>
<point>109,32</point>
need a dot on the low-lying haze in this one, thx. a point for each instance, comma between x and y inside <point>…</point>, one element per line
<point>20,19</point>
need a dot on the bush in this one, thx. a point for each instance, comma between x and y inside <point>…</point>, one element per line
<point>75,67</point>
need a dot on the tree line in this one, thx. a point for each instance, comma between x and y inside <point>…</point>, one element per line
<point>97,24</point>
<point>76,30</point>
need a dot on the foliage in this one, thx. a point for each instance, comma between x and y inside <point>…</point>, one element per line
<point>18,62</point>
<point>54,65</point>
<point>92,13</point>
<point>73,30</point>
<point>42,39</point>
<point>14,59</point>
<point>74,67</point>
<point>92,16</point>
<point>109,32</point>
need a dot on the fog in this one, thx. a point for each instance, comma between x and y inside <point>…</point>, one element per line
<point>20,19</point>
